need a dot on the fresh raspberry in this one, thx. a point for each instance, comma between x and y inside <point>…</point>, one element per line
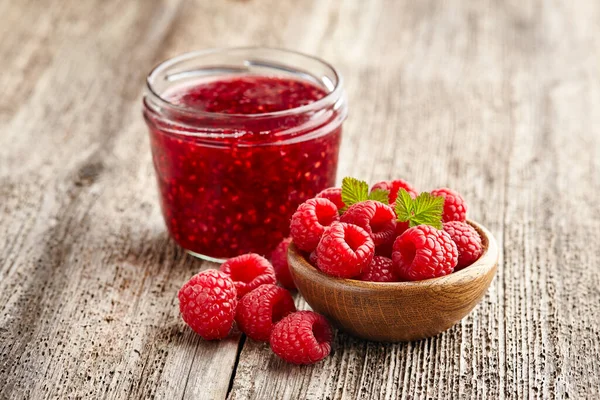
<point>467,241</point>
<point>401,227</point>
<point>378,219</point>
<point>248,272</point>
<point>424,252</point>
<point>207,303</point>
<point>394,186</point>
<point>310,220</point>
<point>280,264</point>
<point>380,270</point>
<point>334,195</point>
<point>303,337</point>
<point>261,309</point>
<point>455,208</point>
<point>345,250</point>
<point>385,249</point>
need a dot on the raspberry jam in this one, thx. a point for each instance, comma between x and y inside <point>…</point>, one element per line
<point>235,153</point>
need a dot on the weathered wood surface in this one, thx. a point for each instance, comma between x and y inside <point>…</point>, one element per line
<point>500,100</point>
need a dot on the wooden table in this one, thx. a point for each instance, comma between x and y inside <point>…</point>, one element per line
<point>499,100</point>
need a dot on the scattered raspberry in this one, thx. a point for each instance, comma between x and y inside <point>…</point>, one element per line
<point>393,187</point>
<point>334,195</point>
<point>261,309</point>
<point>345,250</point>
<point>303,337</point>
<point>310,220</point>
<point>280,264</point>
<point>380,270</point>
<point>455,208</point>
<point>424,252</point>
<point>248,272</point>
<point>467,241</point>
<point>378,219</point>
<point>207,303</point>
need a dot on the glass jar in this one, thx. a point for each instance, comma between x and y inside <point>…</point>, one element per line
<point>240,137</point>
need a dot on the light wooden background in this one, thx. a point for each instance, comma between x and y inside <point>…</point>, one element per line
<point>500,100</point>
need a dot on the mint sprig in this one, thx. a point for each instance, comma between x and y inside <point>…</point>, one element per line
<point>426,209</point>
<point>354,191</point>
<point>380,195</point>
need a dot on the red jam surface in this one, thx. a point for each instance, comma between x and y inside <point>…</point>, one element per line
<point>235,194</point>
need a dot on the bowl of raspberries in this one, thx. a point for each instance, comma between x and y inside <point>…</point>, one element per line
<point>389,263</point>
<point>383,264</point>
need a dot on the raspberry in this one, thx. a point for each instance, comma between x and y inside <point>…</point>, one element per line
<point>380,270</point>
<point>394,186</point>
<point>280,264</point>
<point>345,250</point>
<point>385,250</point>
<point>455,208</point>
<point>467,241</point>
<point>378,219</point>
<point>424,252</point>
<point>207,303</point>
<point>261,309</point>
<point>334,195</point>
<point>401,227</point>
<point>303,337</point>
<point>310,220</point>
<point>248,272</point>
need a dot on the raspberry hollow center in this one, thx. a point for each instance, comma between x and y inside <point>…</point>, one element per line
<point>380,221</point>
<point>408,251</point>
<point>326,216</point>
<point>321,332</point>
<point>353,238</point>
<point>245,274</point>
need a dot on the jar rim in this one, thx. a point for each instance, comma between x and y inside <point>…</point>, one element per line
<point>331,97</point>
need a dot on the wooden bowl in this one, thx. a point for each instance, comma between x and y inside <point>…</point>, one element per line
<point>398,311</point>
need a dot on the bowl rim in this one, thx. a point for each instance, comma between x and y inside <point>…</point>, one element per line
<point>480,268</point>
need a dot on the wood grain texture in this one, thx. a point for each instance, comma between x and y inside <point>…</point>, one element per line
<point>396,311</point>
<point>498,99</point>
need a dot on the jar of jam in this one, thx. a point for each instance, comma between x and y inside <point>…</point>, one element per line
<point>240,137</point>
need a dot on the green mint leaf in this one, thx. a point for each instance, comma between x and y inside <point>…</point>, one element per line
<point>380,195</point>
<point>404,205</point>
<point>354,191</point>
<point>424,210</point>
<point>427,210</point>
